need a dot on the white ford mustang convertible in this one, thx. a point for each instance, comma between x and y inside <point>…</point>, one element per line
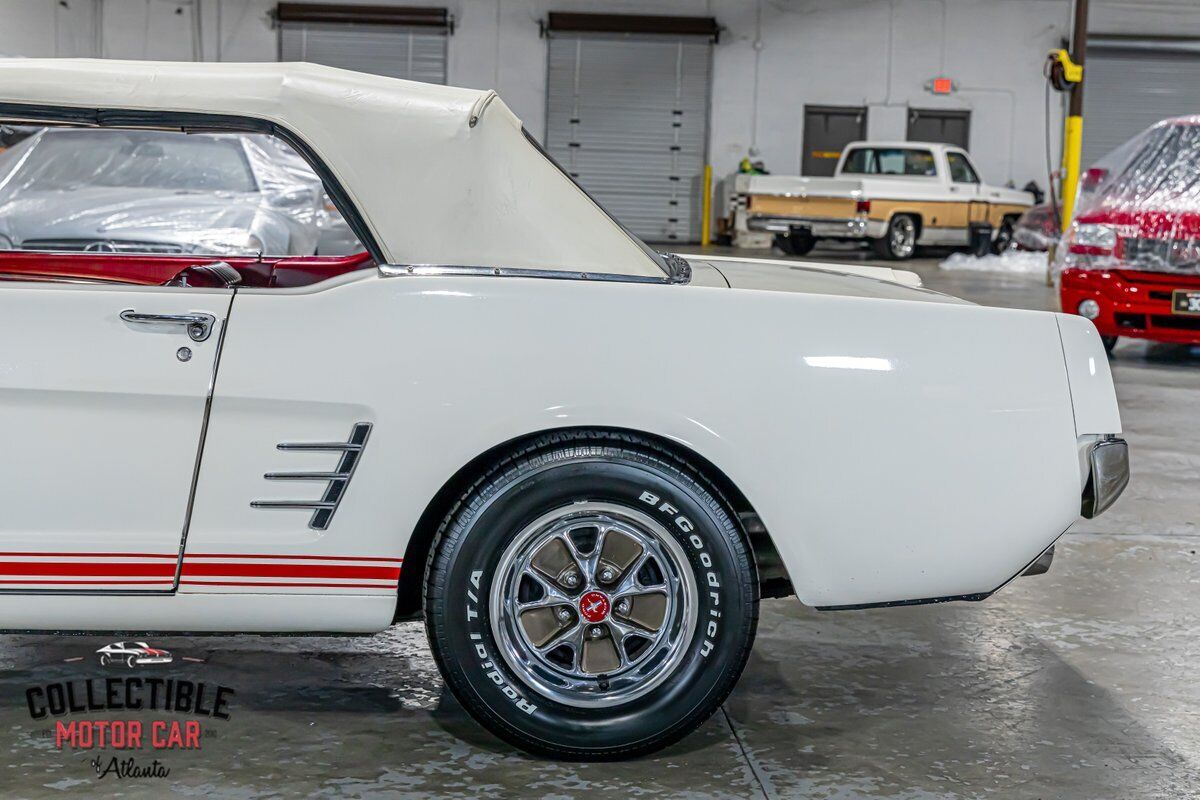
<point>580,461</point>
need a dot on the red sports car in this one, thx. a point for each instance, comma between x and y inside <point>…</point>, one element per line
<point>1131,260</point>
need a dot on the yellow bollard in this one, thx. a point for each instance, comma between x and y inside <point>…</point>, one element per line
<point>1072,145</point>
<point>706,207</point>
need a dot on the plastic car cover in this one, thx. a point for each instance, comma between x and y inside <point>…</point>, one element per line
<point>1138,208</point>
<point>117,190</point>
<point>1037,229</point>
<point>335,237</point>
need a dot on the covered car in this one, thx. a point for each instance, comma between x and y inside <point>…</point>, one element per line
<point>1037,229</point>
<point>1130,260</point>
<point>145,191</point>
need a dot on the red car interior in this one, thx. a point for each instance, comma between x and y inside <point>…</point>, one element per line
<point>158,270</point>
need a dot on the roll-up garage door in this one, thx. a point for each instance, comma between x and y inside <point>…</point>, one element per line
<point>1132,84</point>
<point>397,43</point>
<point>627,115</point>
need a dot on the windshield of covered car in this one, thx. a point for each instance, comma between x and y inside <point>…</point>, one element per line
<point>65,160</point>
<point>889,161</point>
<point>1163,167</point>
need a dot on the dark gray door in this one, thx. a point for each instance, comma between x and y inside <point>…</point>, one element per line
<point>940,125</point>
<point>828,129</point>
<point>1131,85</point>
<point>397,51</point>
<point>627,115</point>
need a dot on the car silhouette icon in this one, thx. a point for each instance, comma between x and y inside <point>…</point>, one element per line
<point>132,654</point>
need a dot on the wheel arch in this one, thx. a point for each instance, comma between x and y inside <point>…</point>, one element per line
<point>917,218</point>
<point>773,578</point>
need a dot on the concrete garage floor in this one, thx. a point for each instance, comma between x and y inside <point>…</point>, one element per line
<point>1077,684</point>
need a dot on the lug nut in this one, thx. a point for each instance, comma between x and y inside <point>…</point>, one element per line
<point>596,632</point>
<point>623,607</point>
<point>563,615</point>
<point>571,580</point>
<point>607,575</point>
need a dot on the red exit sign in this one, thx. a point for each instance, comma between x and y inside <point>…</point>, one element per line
<point>941,86</point>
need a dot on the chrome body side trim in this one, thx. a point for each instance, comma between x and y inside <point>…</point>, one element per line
<point>336,481</point>
<point>400,270</point>
<point>208,401</point>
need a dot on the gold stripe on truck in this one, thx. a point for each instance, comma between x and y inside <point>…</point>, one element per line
<point>805,207</point>
<point>933,213</point>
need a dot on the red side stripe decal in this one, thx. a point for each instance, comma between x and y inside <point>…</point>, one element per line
<point>306,585</point>
<point>165,583</point>
<point>291,571</point>
<point>172,556</point>
<point>77,568</point>
<point>162,573</point>
<point>190,556</point>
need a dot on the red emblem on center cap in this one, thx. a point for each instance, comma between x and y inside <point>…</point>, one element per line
<point>594,606</point>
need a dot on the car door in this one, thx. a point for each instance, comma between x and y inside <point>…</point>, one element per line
<point>964,187</point>
<point>103,395</point>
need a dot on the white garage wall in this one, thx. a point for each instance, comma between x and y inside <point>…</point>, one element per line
<point>774,57</point>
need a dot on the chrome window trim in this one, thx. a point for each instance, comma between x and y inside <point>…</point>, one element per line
<point>442,270</point>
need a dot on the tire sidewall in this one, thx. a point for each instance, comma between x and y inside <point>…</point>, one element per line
<point>895,223</point>
<point>1004,237</point>
<point>724,599</point>
<point>802,243</point>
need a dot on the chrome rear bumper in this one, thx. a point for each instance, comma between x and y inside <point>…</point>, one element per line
<point>854,228</point>
<point>1108,477</point>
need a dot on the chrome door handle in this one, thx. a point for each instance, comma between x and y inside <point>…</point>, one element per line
<point>198,324</point>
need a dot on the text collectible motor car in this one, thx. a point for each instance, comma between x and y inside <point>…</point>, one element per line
<point>895,195</point>
<point>580,461</point>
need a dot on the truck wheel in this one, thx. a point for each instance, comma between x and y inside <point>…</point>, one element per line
<point>1004,237</point>
<point>590,597</point>
<point>796,243</point>
<point>900,241</point>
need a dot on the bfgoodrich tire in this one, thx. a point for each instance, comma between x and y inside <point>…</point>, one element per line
<point>591,597</point>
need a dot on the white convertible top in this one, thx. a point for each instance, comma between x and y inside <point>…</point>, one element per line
<point>441,175</point>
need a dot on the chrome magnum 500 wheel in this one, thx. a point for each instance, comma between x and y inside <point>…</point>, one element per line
<point>591,597</point>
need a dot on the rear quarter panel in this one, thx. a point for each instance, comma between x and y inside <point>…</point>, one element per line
<point>894,449</point>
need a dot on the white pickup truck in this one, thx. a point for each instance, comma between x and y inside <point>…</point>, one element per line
<point>897,195</point>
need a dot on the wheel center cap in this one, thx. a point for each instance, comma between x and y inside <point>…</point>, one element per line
<point>594,606</point>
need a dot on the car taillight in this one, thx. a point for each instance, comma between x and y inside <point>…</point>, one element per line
<point>862,207</point>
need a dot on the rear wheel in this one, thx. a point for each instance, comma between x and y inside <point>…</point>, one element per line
<point>795,243</point>
<point>900,240</point>
<point>1004,237</point>
<point>591,597</point>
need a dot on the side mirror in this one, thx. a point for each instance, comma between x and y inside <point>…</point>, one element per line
<point>1092,178</point>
